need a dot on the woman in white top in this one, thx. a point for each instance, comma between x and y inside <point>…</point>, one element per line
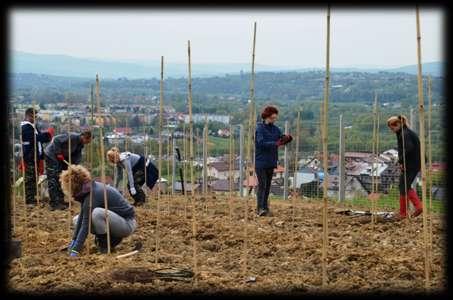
<point>135,167</point>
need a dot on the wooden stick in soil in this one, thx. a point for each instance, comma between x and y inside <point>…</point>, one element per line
<point>70,161</point>
<point>325,154</point>
<point>194,220</point>
<point>102,153</point>
<point>167,191</point>
<point>373,170</point>
<point>296,152</point>
<point>25,239</point>
<point>421,118</point>
<point>249,151</point>
<point>161,106</point>
<point>230,173</point>
<point>91,156</point>
<point>35,125</point>
<point>13,122</point>
<point>430,172</point>
<point>184,150</point>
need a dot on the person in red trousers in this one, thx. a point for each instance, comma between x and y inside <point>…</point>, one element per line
<point>409,160</point>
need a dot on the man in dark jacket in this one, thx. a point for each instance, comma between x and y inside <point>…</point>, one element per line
<point>409,160</point>
<point>30,134</point>
<point>56,153</point>
<point>121,214</point>
<point>268,138</point>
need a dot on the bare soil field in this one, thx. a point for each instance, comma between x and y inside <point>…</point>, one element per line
<point>282,253</point>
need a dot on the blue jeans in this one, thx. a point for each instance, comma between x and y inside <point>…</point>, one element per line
<point>264,176</point>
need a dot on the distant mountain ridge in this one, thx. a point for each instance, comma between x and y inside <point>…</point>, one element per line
<point>68,66</point>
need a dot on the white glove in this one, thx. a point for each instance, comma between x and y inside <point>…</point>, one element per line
<point>133,191</point>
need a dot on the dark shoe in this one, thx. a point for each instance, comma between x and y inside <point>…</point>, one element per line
<point>59,206</point>
<point>261,212</point>
<point>100,241</point>
<point>138,203</point>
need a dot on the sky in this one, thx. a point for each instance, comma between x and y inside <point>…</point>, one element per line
<point>359,37</point>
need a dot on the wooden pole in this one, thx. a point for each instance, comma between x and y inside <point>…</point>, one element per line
<point>161,106</point>
<point>230,198</point>
<point>296,152</point>
<point>250,171</point>
<point>91,156</point>
<point>35,125</point>
<point>205,158</point>
<point>373,170</point>
<point>13,123</point>
<point>194,211</point>
<point>23,191</point>
<point>325,154</point>
<point>101,141</point>
<point>430,172</point>
<point>421,119</point>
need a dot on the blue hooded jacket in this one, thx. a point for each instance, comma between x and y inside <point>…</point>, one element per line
<point>266,150</point>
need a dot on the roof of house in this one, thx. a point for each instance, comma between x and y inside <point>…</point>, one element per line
<point>223,166</point>
<point>223,185</point>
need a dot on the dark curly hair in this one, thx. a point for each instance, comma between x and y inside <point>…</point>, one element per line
<point>269,111</point>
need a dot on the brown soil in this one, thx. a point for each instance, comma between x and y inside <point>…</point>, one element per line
<point>284,255</point>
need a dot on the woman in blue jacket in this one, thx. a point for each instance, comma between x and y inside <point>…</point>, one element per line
<point>268,138</point>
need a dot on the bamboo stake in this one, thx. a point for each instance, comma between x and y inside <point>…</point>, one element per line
<point>422,150</point>
<point>91,156</point>
<point>325,154</point>
<point>377,149</point>
<point>230,199</point>
<point>13,122</point>
<point>207,152</point>
<point>184,150</point>
<point>145,153</point>
<point>192,196</point>
<point>26,229</point>
<point>161,106</point>
<point>373,170</point>
<point>430,171</point>
<point>35,127</point>
<point>101,140</point>
<point>167,192</point>
<point>294,198</point>
<point>249,145</point>
<point>70,162</point>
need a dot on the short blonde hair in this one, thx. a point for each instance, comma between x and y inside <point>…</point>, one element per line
<point>112,154</point>
<point>398,119</point>
<point>73,179</point>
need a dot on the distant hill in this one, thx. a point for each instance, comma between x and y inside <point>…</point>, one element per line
<point>68,66</point>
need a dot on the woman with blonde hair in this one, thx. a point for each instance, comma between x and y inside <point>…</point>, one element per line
<point>409,160</point>
<point>76,181</point>
<point>135,167</point>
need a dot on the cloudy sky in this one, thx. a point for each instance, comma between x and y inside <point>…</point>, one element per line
<point>361,38</point>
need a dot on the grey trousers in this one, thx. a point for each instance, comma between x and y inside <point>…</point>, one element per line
<point>119,226</point>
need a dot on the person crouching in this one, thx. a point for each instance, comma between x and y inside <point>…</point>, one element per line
<point>76,181</point>
<point>135,167</point>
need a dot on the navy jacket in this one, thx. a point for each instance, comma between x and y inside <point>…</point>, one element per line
<point>60,145</point>
<point>28,142</point>
<point>115,202</point>
<point>266,150</point>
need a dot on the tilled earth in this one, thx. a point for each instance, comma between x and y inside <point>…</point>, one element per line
<point>274,254</point>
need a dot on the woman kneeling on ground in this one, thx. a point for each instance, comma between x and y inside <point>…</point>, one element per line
<point>76,180</point>
<point>135,166</point>
<point>409,161</point>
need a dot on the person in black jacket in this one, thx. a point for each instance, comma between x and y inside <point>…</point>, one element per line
<point>56,153</point>
<point>76,181</point>
<point>30,134</point>
<point>409,160</point>
<point>268,138</point>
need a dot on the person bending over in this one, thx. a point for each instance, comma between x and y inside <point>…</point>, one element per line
<point>76,180</point>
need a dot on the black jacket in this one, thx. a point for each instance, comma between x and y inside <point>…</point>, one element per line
<point>60,145</point>
<point>28,142</point>
<point>411,149</point>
